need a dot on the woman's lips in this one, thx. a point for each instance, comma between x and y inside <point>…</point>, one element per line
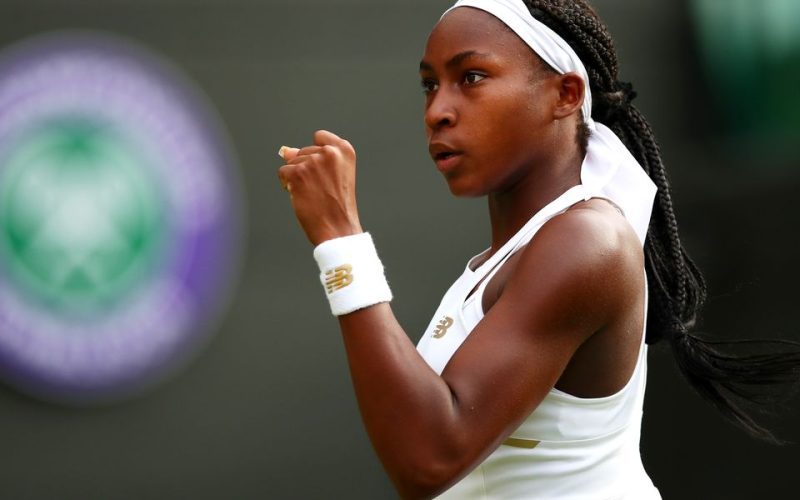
<point>446,155</point>
<point>446,162</point>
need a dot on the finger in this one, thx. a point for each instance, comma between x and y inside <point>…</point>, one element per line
<point>284,176</point>
<point>308,151</point>
<point>303,154</point>
<point>288,153</point>
<point>325,138</point>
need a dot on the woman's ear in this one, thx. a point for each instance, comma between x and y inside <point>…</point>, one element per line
<point>570,95</point>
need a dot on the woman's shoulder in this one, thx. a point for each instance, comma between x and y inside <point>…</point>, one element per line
<point>586,252</point>
<point>587,248</point>
<point>592,231</point>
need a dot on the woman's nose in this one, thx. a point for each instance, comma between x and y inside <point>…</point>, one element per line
<point>440,111</point>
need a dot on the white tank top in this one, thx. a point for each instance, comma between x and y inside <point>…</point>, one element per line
<point>568,447</point>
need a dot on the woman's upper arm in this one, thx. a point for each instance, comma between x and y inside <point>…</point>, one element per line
<point>569,282</point>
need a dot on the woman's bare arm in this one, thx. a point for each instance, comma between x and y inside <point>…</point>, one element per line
<point>430,430</point>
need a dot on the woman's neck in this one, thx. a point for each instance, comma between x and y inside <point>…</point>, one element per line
<point>510,209</point>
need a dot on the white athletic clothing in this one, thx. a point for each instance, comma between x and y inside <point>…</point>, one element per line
<point>568,447</point>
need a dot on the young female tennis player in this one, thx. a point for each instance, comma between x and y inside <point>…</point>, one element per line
<point>529,381</point>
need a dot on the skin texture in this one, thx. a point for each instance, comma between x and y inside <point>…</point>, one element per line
<point>566,311</point>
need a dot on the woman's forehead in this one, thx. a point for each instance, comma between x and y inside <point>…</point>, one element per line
<point>467,28</point>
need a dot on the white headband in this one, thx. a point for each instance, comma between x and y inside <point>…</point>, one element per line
<point>553,49</point>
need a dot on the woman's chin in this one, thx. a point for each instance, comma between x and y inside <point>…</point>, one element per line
<point>461,189</point>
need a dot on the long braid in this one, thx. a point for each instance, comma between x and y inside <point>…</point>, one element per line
<point>732,383</point>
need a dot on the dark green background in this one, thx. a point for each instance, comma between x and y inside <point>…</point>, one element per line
<point>266,409</point>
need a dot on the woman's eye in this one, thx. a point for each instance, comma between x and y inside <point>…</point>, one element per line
<point>472,77</point>
<point>428,86</point>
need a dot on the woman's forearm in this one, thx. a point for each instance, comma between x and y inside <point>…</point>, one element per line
<point>411,414</point>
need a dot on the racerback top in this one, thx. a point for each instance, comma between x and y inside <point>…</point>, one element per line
<point>568,447</point>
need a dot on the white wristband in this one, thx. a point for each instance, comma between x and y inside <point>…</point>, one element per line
<point>351,273</point>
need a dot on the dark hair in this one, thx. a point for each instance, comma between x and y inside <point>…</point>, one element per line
<point>734,383</point>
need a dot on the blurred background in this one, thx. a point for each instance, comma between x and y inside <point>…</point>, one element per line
<point>266,410</point>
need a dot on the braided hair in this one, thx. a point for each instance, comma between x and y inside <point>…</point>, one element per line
<point>733,383</point>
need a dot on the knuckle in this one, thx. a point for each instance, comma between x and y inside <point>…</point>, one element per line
<point>316,159</point>
<point>302,154</point>
<point>301,172</point>
<point>285,171</point>
<point>348,149</point>
<point>330,151</point>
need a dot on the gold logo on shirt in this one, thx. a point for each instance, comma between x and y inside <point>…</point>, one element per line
<point>338,278</point>
<point>442,327</point>
<point>528,444</point>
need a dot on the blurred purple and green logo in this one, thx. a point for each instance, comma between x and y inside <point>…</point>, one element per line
<point>120,218</point>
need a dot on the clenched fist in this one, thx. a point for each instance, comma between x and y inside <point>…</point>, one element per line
<point>321,181</point>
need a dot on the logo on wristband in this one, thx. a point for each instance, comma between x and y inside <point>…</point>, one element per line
<point>338,278</point>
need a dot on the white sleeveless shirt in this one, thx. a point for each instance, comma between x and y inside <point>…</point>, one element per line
<point>568,447</point>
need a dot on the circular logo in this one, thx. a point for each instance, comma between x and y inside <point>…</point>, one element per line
<point>119,224</point>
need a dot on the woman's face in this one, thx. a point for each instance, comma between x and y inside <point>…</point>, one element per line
<point>489,104</point>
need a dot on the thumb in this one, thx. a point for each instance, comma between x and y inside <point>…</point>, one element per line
<point>288,153</point>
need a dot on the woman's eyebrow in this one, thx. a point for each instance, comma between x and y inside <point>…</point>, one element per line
<point>456,59</point>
